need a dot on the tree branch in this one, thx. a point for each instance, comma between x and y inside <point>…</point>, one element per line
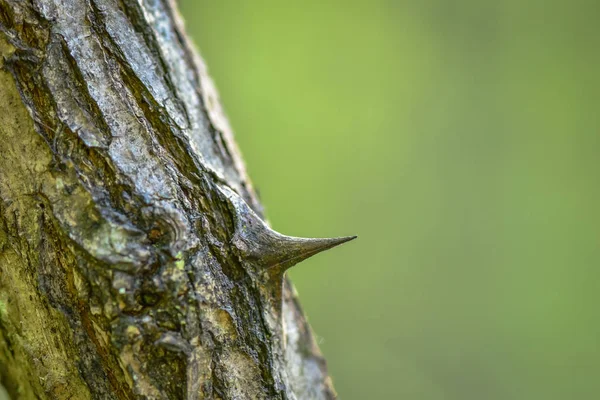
<point>133,259</point>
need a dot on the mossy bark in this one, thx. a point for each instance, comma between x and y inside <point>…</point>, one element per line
<point>118,279</point>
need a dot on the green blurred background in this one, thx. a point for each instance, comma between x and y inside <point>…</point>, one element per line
<point>460,140</point>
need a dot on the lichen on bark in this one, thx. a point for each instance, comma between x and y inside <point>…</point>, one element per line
<point>121,196</point>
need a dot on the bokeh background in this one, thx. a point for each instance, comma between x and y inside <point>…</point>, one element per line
<point>461,141</point>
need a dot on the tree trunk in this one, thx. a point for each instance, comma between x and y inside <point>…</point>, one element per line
<point>133,259</point>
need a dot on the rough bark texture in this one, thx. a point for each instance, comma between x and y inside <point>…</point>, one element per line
<point>133,262</point>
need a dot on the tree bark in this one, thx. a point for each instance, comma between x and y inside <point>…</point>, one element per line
<point>133,259</point>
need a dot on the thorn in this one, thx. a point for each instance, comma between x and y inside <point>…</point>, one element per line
<point>267,249</point>
<point>286,251</point>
